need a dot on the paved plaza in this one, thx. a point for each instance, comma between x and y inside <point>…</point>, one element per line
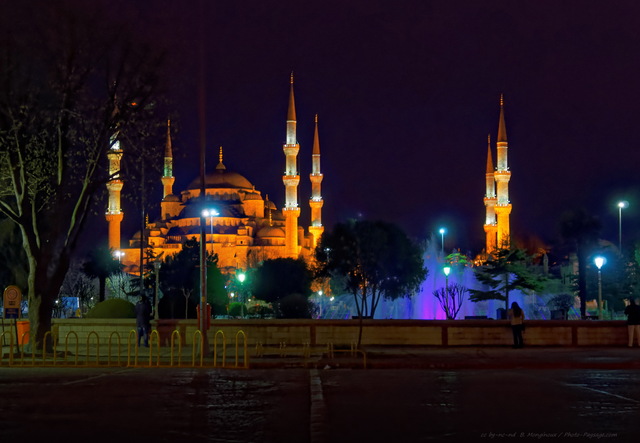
<point>406,395</point>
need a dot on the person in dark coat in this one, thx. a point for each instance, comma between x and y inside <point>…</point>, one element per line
<point>516,318</point>
<point>143,319</point>
<point>632,311</point>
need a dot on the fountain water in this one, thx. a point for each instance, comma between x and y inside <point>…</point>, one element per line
<point>424,305</point>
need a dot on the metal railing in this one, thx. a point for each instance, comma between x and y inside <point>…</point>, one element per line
<point>94,356</point>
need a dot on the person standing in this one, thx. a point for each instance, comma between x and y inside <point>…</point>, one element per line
<point>143,319</point>
<point>632,311</point>
<point>516,317</point>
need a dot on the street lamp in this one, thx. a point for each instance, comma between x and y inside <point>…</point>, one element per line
<point>442,232</point>
<point>599,261</point>
<point>210,213</point>
<point>621,205</point>
<point>156,265</point>
<point>118,254</point>
<point>446,270</point>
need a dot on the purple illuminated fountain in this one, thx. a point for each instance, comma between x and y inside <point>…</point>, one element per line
<point>424,305</point>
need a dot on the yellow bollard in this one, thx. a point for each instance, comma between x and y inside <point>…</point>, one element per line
<point>215,348</point>
<point>97,348</point>
<point>10,346</point>
<point>66,345</point>
<point>175,334</point>
<point>153,334</point>
<point>109,348</point>
<point>132,340</point>
<point>246,353</point>
<point>193,352</point>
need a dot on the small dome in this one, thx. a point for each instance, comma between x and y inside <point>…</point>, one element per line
<point>253,196</point>
<point>171,198</point>
<point>270,231</point>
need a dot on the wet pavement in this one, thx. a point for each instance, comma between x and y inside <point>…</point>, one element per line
<point>407,394</point>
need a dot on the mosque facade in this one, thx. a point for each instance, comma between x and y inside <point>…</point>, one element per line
<point>242,226</point>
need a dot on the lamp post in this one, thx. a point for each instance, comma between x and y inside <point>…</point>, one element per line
<point>621,205</point>
<point>156,265</point>
<point>446,270</point>
<point>599,261</point>
<point>442,232</point>
<point>241,278</point>
<point>210,213</point>
<point>118,254</point>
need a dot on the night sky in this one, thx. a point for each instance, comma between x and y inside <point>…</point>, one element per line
<point>407,92</point>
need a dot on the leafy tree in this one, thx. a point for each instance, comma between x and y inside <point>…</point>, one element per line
<point>581,229</point>
<point>502,273</point>
<point>69,81</point>
<point>101,264</point>
<point>451,298</point>
<point>286,284</point>
<point>371,260</point>
<point>179,280</point>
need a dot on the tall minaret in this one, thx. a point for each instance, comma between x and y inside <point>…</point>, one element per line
<point>490,227</point>
<point>316,229</point>
<point>167,176</point>
<point>291,179</point>
<point>114,213</point>
<point>502,176</point>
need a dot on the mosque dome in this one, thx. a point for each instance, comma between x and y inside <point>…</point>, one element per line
<point>222,178</point>
<point>270,231</point>
<point>171,198</point>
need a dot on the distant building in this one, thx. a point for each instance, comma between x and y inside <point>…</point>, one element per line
<point>243,228</point>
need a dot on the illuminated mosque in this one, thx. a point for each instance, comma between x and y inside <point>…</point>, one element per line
<point>496,199</point>
<point>242,227</point>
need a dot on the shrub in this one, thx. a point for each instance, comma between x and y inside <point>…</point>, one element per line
<point>237,309</point>
<point>293,306</point>
<point>113,308</point>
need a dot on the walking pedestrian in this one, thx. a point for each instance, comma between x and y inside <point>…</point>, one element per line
<point>632,311</point>
<point>516,317</point>
<point>143,319</point>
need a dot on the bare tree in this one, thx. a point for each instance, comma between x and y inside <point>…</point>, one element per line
<point>69,81</point>
<point>451,299</point>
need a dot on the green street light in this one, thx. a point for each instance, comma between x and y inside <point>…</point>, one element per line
<point>599,261</point>
<point>241,276</point>
<point>446,270</point>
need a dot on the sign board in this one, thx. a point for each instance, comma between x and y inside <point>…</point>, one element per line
<point>12,301</point>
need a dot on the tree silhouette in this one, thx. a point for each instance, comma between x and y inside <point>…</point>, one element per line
<point>582,230</point>
<point>286,284</point>
<point>101,264</point>
<point>503,272</point>
<point>70,78</point>
<point>451,298</point>
<point>179,281</point>
<point>371,260</point>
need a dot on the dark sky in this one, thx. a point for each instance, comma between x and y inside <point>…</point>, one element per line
<point>407,92</point>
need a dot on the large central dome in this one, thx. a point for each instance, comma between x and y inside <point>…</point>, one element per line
<point>222,178</point>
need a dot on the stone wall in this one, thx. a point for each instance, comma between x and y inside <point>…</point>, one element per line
<point>345,332</point>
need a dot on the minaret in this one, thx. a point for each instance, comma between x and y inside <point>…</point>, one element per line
<point>114,213</point>
<point>316,229</point>
<point>167,177</point>
<point>490,227</point>
<point>502,176</point>
<point>291,179</point>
